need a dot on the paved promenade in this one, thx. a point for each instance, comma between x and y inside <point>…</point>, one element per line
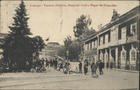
<point>51,79</point>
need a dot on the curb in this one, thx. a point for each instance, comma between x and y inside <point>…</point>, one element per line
<point>130,71</point>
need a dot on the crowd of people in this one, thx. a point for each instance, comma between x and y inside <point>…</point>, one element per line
<point>64,66</point>
<point>56,63</point>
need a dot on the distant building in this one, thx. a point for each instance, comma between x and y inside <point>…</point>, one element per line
<point>50,50</point>
<point>117,41</point>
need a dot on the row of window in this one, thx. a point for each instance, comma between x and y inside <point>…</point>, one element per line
<point>91,45</point>
<point>113,35</point>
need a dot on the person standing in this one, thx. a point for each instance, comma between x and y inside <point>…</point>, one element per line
<point>93,70</point>
<point>85,67</point>
<point>100,67</point>
<point>67,68</point>
<point>56,64</point>
<point>80,67</point>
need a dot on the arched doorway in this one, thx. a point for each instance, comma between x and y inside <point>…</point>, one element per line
<point>133,57</point>
<point>113,57</point>
<point>106,60</point>
<point>123,57</point>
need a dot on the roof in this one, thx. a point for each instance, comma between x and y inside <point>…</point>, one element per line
<point>91,36</point>
<point>110,24</point>
<point>124,16</point>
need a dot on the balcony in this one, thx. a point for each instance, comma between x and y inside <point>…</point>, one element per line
<point>132,39</point>
<point>122,41</point>
<point>106,45</point>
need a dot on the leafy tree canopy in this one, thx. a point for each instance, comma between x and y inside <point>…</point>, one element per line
<point>18,47</point>
<point>82,25</point>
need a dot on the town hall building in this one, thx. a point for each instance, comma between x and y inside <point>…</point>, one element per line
<point>117,42</point>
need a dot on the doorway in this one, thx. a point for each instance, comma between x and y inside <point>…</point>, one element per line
<point>114,57</point>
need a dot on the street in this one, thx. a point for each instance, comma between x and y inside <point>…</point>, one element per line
<point>52,79</point>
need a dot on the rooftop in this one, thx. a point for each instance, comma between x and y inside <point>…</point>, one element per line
<point>111,23</point>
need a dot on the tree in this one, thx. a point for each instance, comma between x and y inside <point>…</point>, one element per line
<point>82,31</point>
<point>17,48</point>
<point>74,50</point>
<point>73,47</point>
<point>61,51</point>
<point>67,43</point>
<point>38,45</point>
<point>82,25</point>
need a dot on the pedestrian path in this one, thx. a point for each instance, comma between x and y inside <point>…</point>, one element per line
<point>52,79</point>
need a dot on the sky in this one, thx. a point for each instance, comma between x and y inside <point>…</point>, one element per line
<point>55,19</point>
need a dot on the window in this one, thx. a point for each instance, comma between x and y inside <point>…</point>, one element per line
<point>123,32</point>
<point>119,34</point>
<point>93,44</point>
<point>106,38</point>
<point>101,40</point>
<point>109,37</point>
<point>112,35</point>
<point>133,28</point>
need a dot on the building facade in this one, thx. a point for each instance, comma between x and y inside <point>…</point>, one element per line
<point>117,43</point>
<point>49,51</point>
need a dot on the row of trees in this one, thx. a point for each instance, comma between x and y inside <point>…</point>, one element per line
<point>74,47</point>
<point>19,48</point>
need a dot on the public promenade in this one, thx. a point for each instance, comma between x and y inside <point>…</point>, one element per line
<point>52,79</point>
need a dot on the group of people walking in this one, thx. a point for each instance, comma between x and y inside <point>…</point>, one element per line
<point>64,65</point>
<point>94,66</point>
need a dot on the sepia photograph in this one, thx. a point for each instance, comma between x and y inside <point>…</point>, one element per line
<point>69,44</point>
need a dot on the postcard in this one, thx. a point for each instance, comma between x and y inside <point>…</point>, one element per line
<point>69,44</point>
